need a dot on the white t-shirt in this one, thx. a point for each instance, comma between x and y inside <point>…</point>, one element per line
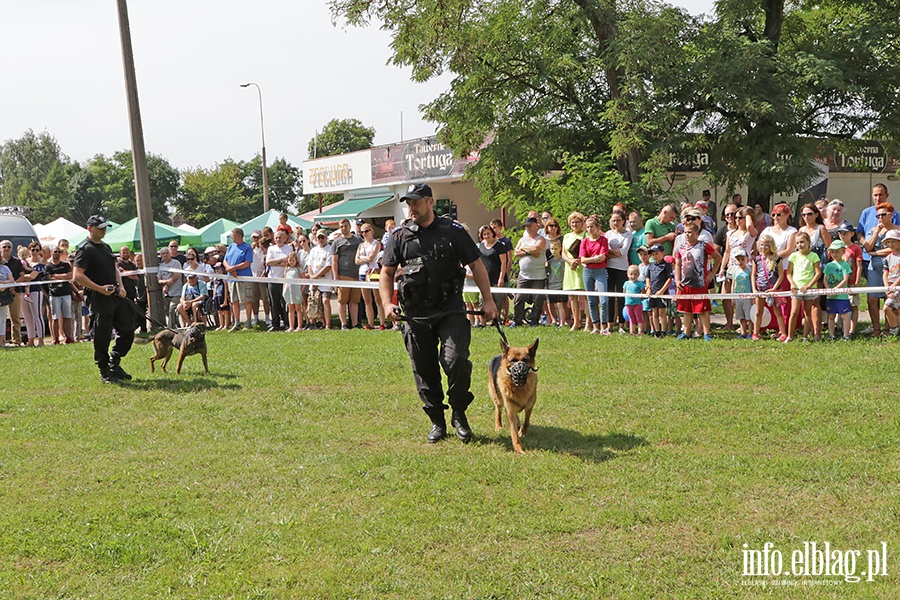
<point>317,260</point>
<point>620,242</point>
<point>258,265</point>
<point>781,239</point>
<point>276,253</point>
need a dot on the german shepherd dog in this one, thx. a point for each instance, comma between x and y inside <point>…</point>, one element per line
<point>191,341</point>
<point>512,378</point>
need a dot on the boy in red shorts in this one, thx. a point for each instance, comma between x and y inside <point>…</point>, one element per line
<point>693,277</point>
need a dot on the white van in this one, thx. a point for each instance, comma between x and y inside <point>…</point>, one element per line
<point>17,229</point>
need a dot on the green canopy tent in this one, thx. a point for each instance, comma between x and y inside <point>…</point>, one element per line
<point>129,234</point>
<point>269,219</point>
<point>210,234</point>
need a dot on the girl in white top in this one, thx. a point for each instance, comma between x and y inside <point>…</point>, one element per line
<point>367,259</point>
<point>785,237</point>
<point>617,265</point>
<point>742,237</point>
<point>813,226</point>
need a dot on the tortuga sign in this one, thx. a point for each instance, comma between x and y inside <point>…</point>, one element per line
<point>338,173</point>
<point>417,160</point>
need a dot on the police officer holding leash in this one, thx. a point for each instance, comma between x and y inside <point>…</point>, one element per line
<point>431,252</point>
<point>95,269</point>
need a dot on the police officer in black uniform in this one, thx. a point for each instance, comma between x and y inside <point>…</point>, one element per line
<point>431,252</point>
<point>95,269</point>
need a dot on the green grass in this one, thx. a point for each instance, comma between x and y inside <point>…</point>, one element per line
<point>298,468</point>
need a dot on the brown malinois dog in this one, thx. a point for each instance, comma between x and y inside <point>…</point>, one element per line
<point>192,341</point>
<point>512,378</point>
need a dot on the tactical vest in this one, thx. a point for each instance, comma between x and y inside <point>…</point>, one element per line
<point>431,274</point>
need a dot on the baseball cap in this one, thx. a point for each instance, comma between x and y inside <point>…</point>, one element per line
<point>531,221</point>
<point>837,245</point>
<point>643,248</point>
<point>194,275</point>
<point>209,250</point>
<point>321,233</point>
<point>702,204</point>
<point>657,248</point>
<point>96,221</point>
<point>845,227</point>
<point>417,191</point>
<point>738,252</point>
<point>256,233</point>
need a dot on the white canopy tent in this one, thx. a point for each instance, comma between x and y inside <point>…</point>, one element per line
<point>60,229</point>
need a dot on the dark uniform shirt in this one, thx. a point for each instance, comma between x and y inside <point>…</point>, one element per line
<point>98,262</point>
<point>436,255</point>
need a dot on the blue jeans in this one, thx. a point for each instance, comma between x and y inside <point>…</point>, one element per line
<point>595,281</point>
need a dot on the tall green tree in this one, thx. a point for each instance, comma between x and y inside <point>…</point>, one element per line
<point>285,183</point>
<point>113,179</point>
<point>209,194</point>
<point>340,136</point>
<point>32,174</point>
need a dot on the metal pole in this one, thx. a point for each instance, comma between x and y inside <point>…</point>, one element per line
<point>262,128</point>
<point>139,158</point>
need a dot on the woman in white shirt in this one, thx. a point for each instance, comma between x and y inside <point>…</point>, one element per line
<point>617,265</point>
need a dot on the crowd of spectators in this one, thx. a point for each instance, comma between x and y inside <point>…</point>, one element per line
<point>661,265</point>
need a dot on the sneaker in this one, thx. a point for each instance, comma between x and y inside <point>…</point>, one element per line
<point>622,331</point>
<point>682,336</point>
<point>708,338</point>
<point>345,328</point>
<point>605,332</point>
<point>236,326</point>
<point>868,330</point>
<point>782,338</point>
<point>249,326</point>
<point>755,338</point>
<point>368,327</point>
<point>787,339</point>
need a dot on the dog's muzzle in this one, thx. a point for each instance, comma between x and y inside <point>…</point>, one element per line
<point>519,372</point>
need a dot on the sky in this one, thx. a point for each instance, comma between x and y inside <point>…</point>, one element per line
<point>61,72</point>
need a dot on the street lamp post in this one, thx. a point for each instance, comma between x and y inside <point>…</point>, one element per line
<point>263,130</point>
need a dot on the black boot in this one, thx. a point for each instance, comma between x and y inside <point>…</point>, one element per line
<point>438,428</point>
<point>116,370</point>
<point>107,377</point>
<point>461,423</point>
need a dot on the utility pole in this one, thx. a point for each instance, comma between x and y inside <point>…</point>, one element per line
<point>141,178</point>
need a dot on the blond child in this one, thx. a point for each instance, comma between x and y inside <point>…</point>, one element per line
<point>837,275</point>
<point>803,272</point>
<point>766,276</point>
<point>293,293</point>
<point>633,288</point>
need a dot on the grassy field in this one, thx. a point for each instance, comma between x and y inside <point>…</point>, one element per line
<point>298,469</point>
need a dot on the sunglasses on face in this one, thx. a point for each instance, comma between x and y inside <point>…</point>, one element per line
<point>882,215</point>
<point>807,214</point>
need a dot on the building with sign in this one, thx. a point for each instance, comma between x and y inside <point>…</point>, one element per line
<point>373,180</point>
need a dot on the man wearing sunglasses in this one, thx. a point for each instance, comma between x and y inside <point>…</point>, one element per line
<point>872,266</point>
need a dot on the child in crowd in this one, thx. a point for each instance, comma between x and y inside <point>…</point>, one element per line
<point>803,271</point>
<point>643,253</point>
<point>767,276</point>
<point>853,255</point>
<point>693,278</point>
<point>658,280</point>
<point>892,279</point>
<point>741,284</point>
<point>293,294</point>
<point>220,293</point>
<point>633,306</point>
<point>837,275</point>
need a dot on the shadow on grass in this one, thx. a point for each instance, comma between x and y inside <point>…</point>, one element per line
<point>182,383</point>
<point>594,448</point>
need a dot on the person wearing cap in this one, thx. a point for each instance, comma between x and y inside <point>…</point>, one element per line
<point>237,262</point>
<point>95,270</point>
<point>343,264</point>
<point>193,295</point>
<point>659,277</point>
<point>853,254</point>
<point>432,252</point>
<point>837,274</point>
<point>740,284</point>
<point>531,252</point>
<point>318,264</point>
<point>709,224</point>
